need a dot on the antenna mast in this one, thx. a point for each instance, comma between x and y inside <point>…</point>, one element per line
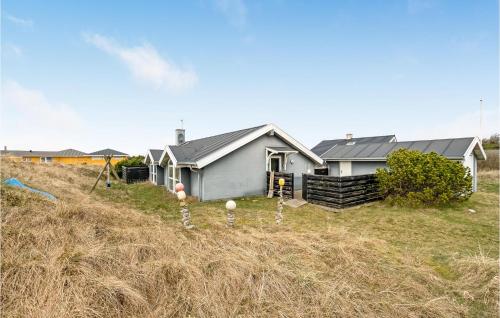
<point>481,120</point>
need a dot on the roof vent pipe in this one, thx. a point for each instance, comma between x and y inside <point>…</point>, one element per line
<point>348,136</point>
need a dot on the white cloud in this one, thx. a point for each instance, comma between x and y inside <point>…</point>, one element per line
<point>13,49</point>
<point>20,21</point>
<point>31,121</point>
<point>32,105</point>
<point>146,64</point>
<point>234,10</point>
<point>465,125</point>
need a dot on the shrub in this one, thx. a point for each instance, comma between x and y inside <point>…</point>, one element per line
<point>135,161</point>
<point>415,178</point>
<point>492,142</point>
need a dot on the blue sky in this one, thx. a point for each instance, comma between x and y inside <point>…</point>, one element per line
<point>122,74</point>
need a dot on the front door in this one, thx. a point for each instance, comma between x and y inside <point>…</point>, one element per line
<point>275,164</point>
<point>345,168</point>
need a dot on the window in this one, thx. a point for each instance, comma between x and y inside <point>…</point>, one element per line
<point>174,175</point>
<point>45,159</point>
<point>350,143</point>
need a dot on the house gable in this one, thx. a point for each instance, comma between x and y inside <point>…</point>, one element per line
<point>183,155</point>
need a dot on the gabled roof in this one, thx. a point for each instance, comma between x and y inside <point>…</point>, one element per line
<point>326,145</point>
<point>153,155</point>
<point>108,152</point>
<point>71,153</point>
<point>453,148</point>
<point>201,152</point>
<point>192,150</point>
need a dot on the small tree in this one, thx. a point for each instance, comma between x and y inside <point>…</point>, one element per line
<point>415,178</point>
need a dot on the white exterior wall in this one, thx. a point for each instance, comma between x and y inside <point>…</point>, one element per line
<point>471,163</point>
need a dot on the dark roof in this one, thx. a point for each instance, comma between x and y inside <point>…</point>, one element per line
<point>156,153</point>
<point>453,148</point>
<point>192,150</point>
<point>108,152</point>
<point>71,153</point>
<point>326,145</point>
<point>34,153</point>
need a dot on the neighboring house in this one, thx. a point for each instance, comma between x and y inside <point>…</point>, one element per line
<point>326,145</point>
<point>235,164</point>
<point>152,159</point>
<point>67,156</point>
<point>359,159</point>
<point>97,157</point>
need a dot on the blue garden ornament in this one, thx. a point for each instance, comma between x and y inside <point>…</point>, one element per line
<point>13,182</point>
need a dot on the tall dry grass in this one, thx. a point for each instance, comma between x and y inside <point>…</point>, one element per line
<point>492,161</point>
<point>81,257</point>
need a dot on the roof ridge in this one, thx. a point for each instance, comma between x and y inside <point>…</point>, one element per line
<point>218,135</point>
<point>392,135</point>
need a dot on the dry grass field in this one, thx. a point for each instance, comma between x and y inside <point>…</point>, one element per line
<point>123,253</point>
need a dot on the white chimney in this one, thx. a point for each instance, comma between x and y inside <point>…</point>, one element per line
<point>180,136</point>
<point>348,136</point>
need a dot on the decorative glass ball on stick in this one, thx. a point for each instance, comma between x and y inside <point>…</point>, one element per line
<point>230,205</point>
<point>181,195</point>
<point>281,182</point>
<point>179,187</point>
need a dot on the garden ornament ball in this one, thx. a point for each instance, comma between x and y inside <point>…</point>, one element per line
<point>179,187</point>
<point>230,205</point>
<point>181,195</point>
<point>281,182</point>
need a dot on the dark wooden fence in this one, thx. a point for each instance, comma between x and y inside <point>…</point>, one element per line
<point>135,174</point>
<point>321,171</point>
<point>339,192</point>
<point>288,188</point>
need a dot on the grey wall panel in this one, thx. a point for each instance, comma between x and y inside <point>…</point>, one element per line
<point>333,169</point>
<point>243,172</point>
<point>366,167</point>
<point>195,184</point>
<point>159,175</point>
<point>186,180</point>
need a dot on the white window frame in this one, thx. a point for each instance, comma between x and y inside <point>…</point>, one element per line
<point>175,179</point>
<point>153,173</point>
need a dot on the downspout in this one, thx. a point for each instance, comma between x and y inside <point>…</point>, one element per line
<point>200,186</point>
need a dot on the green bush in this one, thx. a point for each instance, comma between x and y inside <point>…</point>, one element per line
<point>423,179</point>
<point>135,161</point>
